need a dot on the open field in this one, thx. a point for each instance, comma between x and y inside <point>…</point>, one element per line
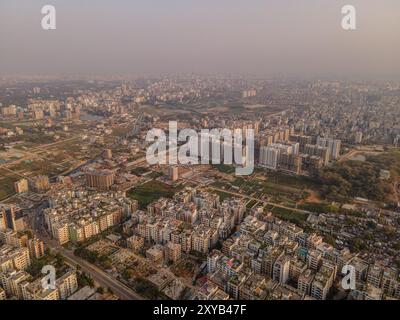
<point>151,191</point>
<point>289,215</point>
<point>7,180</point>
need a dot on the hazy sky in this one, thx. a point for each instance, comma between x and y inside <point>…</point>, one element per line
<point>254,37</point>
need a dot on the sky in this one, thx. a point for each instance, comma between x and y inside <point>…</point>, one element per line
<point>263,38</point>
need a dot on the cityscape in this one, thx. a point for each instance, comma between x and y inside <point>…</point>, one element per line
<point>85,215</point>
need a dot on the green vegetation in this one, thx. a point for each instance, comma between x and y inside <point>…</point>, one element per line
<point>298,182</point>
<point>224,168</point>
<point>290,215</point>
<point>139,171</point>
<point>223,195</point>
<point>86,254</point>
<point>221,185</point>
<point>7,184</point>
<point>353,179</point>
<point>147,289</point>
<point>360,179</point>
<point>283,193</point>
<point>184,268</point>
<point>357,244</point>
<point>35,269</point>
<point>155,174</point>
<point>251,204</point>
<point>84,280</point>
<point>319,207</point>
<point>39,167</point>
<point>151,191</point>
<point>128,273</point>
<point>387,161</point>
<point>93,257</point>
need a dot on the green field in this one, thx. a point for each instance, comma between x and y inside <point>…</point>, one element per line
<point>139,171</point>
<point>318,207</point>
<point>289,215</point>
<point>298,182</point>
<point>151,191</point>
<point>224,168</point>
<point>222,195</point>
<point>7,184</point>
<point>283,193</point>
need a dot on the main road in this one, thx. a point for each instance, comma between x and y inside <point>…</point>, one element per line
<point>105,280</point>
<point>117,287</point>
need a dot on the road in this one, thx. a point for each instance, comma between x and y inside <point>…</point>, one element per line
<point>98,275</point>
<point>352,153</point>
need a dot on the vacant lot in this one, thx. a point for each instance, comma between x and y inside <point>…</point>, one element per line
<point>7,180</point>
<point>289,215</point>
<point>152,191</point>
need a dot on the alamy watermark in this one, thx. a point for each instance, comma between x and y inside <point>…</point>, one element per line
<point>349,277</point>
<point>214,146</point>
<point>348,21</point>
<point>49,280</point>
<point>49,19</point>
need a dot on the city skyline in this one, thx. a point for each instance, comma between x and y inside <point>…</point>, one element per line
<point>228,153</point>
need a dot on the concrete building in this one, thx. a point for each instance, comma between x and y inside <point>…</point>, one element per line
<point>21,186</point>
<point>12,218</point>
<point>173,252</point>
<point>41,184</point>
<point>281,268</point>
<point>36,248</point>
<point>67,284</point>
<point>99,179</point>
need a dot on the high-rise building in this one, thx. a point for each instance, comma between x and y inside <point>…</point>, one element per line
<point>35,291</point>
<point>174,173</point>
<point>36,248</point>
<point>281,268</point>
<point>269,157</point>
<point>279,156</point>
<point>41,183</point>
<point>38,114</point>
<point>9,111</point>
<point>314,150</point>
<point>100,179</point>
<point>108,154</point>
<point>303,141</point>
<point>358,137</point>
<point>14,258</point>
<point>3,222</point>
<point>12,281</point>
<point>21,186</point>
<point>173,252</point>
<point>67,284</point>
<point>332,145</point>
<point>2,294</point>
<point>305,282</point>
<point>11,218</point>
